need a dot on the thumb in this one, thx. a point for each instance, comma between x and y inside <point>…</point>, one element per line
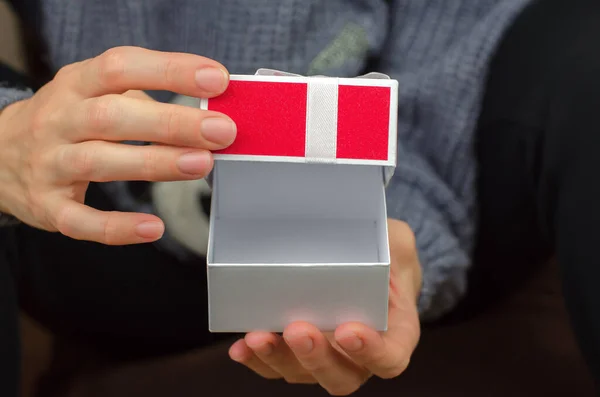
<point>405,268</point>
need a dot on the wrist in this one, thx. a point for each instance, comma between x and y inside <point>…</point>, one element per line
<point>8,156</point>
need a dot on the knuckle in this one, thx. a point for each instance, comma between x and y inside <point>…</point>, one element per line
<point>43,116</point>
<point>112,65</point>
<point>171,121</point>
<point>79,162</point>
<point>171,69</point>
<point>39,122</point>
<point>46,123</point>
<point>42,165</point>
<point>149,164</point>
<point>62,221</point>
<point>102,113</point>
<point>65,72</point>
<point>110,229</point>
<point>54,119</point>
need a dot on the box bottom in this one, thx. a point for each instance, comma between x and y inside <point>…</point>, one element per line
<point>297,242</point>
<point>244,298</point>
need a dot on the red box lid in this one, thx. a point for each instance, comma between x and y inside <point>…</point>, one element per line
<point>310,119</point>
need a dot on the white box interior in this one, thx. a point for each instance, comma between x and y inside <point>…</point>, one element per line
<point>297,213</point>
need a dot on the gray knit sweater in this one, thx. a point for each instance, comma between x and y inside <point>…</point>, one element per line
<point>438,51</point>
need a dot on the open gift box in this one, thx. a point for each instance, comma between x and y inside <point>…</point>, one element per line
<point>298,228</point>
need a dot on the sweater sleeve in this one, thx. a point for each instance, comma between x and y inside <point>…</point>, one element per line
<point>417,196</point>
<point>440,53</point>
<point>8,96</point>
<point>9,325</point>
<point>13,88</point>
<point>430,50</point>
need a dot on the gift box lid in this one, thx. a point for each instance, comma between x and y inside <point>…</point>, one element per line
<point>282,117</point>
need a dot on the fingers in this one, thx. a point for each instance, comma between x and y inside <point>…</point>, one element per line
<point>385,355</point>
<point>388,354</point>
<point>81,222</point>
<point>356,352</point>
<point>334,372</point>
<point>241,353</point>
<point>272,350</point>
<point>132,68</point>
<point>120,118</point>
<point>99,161</point>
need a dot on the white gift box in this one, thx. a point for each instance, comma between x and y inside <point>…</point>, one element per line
<point>298,228</point>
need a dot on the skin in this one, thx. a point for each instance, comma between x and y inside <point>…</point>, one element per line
<point>67,135</point>
<point>343,361</point>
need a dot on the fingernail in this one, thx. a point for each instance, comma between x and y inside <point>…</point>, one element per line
<point>218,130</point>
<point>212,79</point>
<point>349,341</point>
<point>303,344</point>
<point>150,230</point>
<point>196,163</point>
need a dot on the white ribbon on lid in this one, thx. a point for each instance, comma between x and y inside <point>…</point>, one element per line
<point>321,119</point>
